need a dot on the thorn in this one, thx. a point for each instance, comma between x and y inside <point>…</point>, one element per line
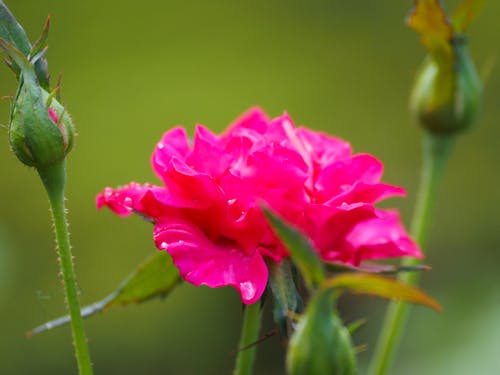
<point>360,348</point>
<point>58,85</point>
<point>263,338</point>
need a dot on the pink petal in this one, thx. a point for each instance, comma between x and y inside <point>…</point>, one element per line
<point>364,193</point>
<point>123,201</point>
<point>53,115</point>
<point>339,176</point>
<point>329,226</point>
<point>382,237</point>
<point>283,132</point>
<point>215,264</point>
<point>174,143</point>
<point>241,210</point>
<point>190,188</point>
<point>276,165</point>
<point>208,154</point>
<point>255,118</point>
<point>277,175</point>
<point>324,149</point>
<point>239,148</point>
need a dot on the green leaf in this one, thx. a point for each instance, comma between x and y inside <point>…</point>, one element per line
<point>156,277</point>
<point>14,34</point>
<point>465,13</point>
<point>12,31</point>
<point>301,251</point>
<point>321,345</point>
<point>371,267</point>
<point>286,298</point>
<point>379,286</point>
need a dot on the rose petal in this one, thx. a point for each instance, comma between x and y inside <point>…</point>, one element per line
<point>174,143</point>
<point>382,237</point>
<point>329,226</point>
<point>208,154</point>
<point>324,149</point>
<point>339,176</point>
<point>255,118</point>
<point>215,264</point>
<point>123,201</point>
<point>365,193</point>
<point>190,188</point>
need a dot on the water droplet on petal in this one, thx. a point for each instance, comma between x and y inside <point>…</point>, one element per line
<point>161,146</point>
<point>127,202</point>
<point>345,187</point>
<point>164,246</point>
<point>235,211</point>
<point>247,290</point>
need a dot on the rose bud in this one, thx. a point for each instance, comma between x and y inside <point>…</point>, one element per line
<point>41,131</point>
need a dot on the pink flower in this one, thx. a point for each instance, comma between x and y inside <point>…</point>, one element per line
<point>53,115</point>
<point>207,214</point>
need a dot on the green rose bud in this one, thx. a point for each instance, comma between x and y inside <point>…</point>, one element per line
<point>446,98</point>
<point>447,94</point>
<point>40,131</point>
<point>321,345</point>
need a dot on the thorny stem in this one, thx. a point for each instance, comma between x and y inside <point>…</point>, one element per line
<point>436,150</point>
<point>54,179</point>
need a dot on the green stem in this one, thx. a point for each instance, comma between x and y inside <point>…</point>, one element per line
<point>54,179</point>
<point>435,155</point>
<point>249,335</point>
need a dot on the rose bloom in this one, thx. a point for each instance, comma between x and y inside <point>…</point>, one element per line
<point>207,215</point>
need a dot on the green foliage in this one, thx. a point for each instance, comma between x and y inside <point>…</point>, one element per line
<point>286,298</point>
<point>12,31</point>
<point>14,34</point>
<point>379,286</point>
<point>321,345</point>
<point>156,277</point>
<point>301,251</point>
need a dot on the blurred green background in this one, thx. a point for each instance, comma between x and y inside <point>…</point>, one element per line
<point>131,70</point>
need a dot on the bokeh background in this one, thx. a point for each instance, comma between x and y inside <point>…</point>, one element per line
<point>133,69</point>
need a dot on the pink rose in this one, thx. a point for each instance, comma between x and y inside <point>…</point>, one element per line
<point>207,216</point>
